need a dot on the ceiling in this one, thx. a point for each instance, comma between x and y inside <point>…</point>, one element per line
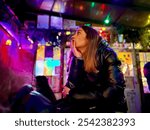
<point>135,13</point>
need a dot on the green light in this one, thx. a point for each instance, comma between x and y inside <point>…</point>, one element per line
<point>93,4</point>
<point>87,24</point>
<point>106,21</point>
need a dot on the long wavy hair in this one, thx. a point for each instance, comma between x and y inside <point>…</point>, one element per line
<point>89,56</point>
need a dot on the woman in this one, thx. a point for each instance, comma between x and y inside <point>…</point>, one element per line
<point>95,82</point>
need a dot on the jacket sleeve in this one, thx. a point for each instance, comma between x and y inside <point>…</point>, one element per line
<point>76,72</point>
<point>116,82</point>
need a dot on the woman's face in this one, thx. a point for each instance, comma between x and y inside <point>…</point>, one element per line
<point>79,39</point>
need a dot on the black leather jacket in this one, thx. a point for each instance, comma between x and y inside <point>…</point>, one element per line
<point>107,84</point>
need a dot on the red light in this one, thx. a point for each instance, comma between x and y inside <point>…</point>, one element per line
<point>103,7</point>
<point>81,7</point>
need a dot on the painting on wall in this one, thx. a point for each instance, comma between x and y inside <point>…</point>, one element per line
<point>48,64</point>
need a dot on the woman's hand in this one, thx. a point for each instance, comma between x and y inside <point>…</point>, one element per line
<point>65,91</point>
<point>74,50</point>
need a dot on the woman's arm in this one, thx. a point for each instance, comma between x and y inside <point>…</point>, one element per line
<point>75,77</point>
<point>116,82</point>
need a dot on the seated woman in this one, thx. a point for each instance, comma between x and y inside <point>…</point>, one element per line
<point>95,82</point>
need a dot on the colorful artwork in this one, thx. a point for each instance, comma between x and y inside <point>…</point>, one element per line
<point>39,67</point>
<point>125,57</point>
<point>56,54</point>
<point>127,64</point>
<point>48,64</point>
<point>49,51</point>
<point>40,53</point>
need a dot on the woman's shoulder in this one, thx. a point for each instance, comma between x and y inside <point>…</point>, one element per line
<point>105,50</point>
<point>106,53</point>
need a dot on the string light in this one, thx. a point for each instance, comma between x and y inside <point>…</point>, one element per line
<point>8,42</point>
<point>81,7</point>
<point>93,4</point>
<point>107,19</point>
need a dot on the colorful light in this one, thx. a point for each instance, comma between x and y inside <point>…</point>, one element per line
<point>107,19</point>
<point>68,32</point>
<point>57,37</point>
<point>81,7</point>
<point>103,28</point>
<point>103,7</point>
<point>93,4</point>
<point>47,44</point>
<point>59,33</point>
<point>87,24</point>
<point>39,44</point>
<point>8,42</point>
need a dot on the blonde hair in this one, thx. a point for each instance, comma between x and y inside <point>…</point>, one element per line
<point>89,57</point>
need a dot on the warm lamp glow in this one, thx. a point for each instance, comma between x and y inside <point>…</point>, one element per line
<point>81,7</point>
<point>8,42</point>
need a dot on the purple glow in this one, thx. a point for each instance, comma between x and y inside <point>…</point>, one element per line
<point>56,22</point>
<point>47,5</point>
<point>43,21</point>
<point>6,28</point>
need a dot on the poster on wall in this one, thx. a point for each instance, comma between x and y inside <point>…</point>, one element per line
<point>127,64</point>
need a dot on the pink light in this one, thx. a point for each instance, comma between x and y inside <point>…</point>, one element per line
<point>81,7</point>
